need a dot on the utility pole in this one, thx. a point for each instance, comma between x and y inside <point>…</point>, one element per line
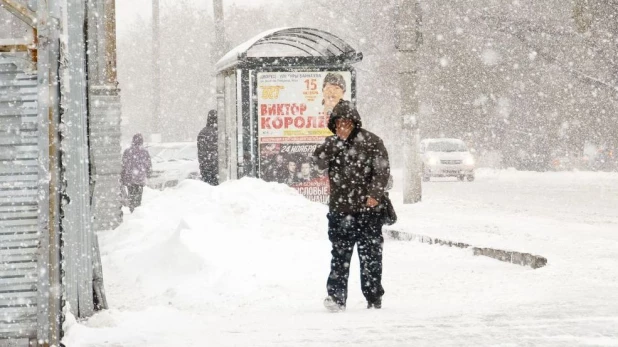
<point>408,41</point>
<point>111,74</point>
<point>219,29</point>
<point>156,75</point>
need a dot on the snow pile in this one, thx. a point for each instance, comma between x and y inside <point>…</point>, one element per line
<point>195,242</point>
<point>230,209</point>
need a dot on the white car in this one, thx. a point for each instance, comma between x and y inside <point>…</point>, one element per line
<point>172,163</point>
<point>446,158</point>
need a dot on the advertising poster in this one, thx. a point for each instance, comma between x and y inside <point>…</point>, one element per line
<point>293,111</point>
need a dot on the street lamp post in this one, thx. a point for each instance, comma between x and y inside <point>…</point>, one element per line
<point>219,28</point>
<point>408,41</point>
<point>156,75</point>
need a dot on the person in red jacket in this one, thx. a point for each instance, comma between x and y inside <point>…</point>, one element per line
<point>136,168</point>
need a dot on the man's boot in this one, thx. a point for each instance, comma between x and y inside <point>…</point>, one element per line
<point>377,304</point>
<point>332,305</point>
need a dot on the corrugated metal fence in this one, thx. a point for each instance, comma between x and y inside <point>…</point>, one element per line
<point>19,210</point>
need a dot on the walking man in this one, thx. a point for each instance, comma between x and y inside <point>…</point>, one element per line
<point>207,150</point>
<point>358,171</point>
<point>136,168</point>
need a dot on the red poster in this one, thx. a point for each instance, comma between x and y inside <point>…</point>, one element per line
<point>293,120</point>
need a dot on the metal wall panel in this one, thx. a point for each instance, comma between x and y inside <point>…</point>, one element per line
<point>106,157</point>
<point>77,232</point>
<point>19,210</point>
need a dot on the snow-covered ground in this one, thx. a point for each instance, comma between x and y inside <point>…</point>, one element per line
<point>245,264</point>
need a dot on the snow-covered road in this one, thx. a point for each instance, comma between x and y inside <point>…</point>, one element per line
<point>245,264</point>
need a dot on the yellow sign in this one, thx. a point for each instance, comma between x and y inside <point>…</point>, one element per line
<point>271,92</point>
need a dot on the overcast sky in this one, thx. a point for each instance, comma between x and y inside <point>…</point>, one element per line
<point>128,10</point>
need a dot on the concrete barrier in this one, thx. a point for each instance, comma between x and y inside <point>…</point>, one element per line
<point>513,257</point>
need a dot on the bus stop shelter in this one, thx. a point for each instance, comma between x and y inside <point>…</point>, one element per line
<point>273,101</point>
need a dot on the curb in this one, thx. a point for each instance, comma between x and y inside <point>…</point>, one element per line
<point>513,257</point>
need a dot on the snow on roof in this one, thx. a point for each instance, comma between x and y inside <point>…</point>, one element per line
<point>232,56</point>
<point>286,41</point>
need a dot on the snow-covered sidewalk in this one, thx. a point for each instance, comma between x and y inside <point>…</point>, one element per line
<point>245,264</point>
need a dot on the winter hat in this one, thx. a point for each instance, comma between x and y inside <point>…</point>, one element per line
<point>344,109</point>
<point>335,79</point>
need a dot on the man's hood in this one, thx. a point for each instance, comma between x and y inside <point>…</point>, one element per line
<point>344,109</point>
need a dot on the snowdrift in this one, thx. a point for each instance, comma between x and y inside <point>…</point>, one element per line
<point>195,242</point>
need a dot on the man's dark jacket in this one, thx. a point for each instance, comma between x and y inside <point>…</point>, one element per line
<point>207,150</point>
<point>358,167</point>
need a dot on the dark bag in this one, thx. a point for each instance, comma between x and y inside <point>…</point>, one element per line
<point>390,216</point>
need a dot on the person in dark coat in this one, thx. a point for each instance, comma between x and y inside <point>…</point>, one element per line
<point>358,172</point>
<point>207,150</point>
<point>136,168</point>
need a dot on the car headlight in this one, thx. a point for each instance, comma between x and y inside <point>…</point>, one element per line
<point>433,161</point>
<point>469,161</point>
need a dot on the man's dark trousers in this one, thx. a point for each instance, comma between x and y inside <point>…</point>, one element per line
<point>344,231</point>
<point>135,195</point>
